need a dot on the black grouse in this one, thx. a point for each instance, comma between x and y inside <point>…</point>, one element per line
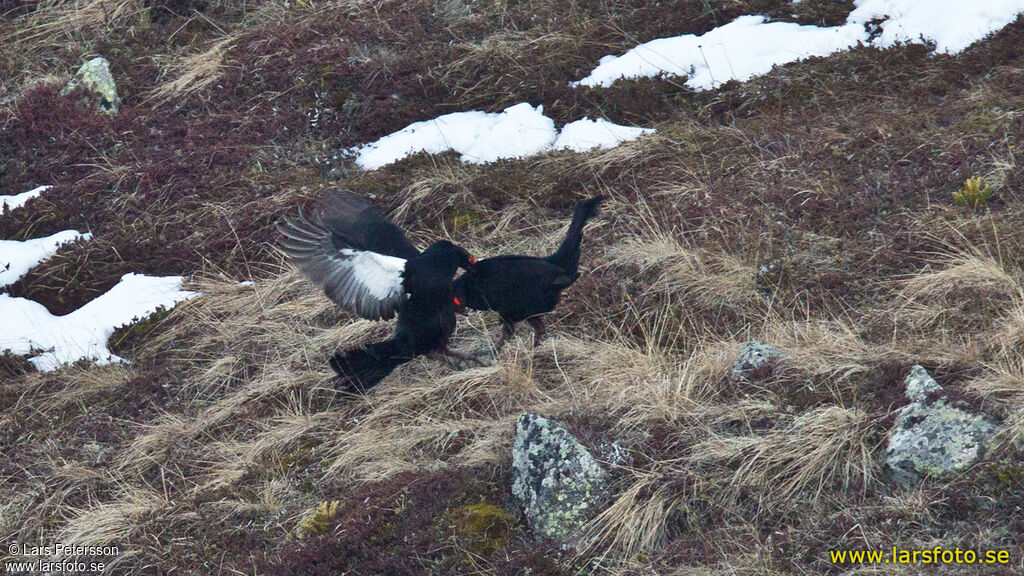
<point>366,264</point>
<point>525,287</point>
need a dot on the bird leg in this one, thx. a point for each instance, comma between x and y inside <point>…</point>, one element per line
<point>466,358</point>
<point>508,329</point>
<point>538,329</point>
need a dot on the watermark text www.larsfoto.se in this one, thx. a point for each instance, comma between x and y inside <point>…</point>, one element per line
<point>937,555</point>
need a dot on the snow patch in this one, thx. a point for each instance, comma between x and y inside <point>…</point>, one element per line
<point>586,134</point>
<point>29,327</point>
<point>16,257</point>
<point>19,200</point>
<point>952,24</point>
<point>750,45</point>
<point>480,137</point>
<point>747,46</point>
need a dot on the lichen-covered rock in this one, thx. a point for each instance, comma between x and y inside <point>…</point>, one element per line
<point>754,357</point>
<point>97,84</point>
<point>920,384</point>
<point>558,483</point>
<point>932,438</point>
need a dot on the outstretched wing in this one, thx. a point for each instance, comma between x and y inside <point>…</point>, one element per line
<point>363,225</point>
<point>363,281</point>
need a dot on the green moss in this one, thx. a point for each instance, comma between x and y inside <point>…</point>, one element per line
<point>465,221</point>
<point>295,458</point>
<point>1007,474</point>
<point>131,335</point>
<point>484,527</point>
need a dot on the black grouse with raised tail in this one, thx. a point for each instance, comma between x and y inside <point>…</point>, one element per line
<point>525,287</point>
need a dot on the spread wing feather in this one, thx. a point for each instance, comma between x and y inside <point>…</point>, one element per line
<point>365,282</point>
<point>363,226</point>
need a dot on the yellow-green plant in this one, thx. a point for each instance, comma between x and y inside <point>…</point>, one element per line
<point>972,194</point>
<point>318,520</point>
<point>485,527</point>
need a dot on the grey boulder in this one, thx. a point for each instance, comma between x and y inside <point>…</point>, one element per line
<point>754,357</point>
<point>932,439</point>
<point>555,480</point>
<point>96,83</point>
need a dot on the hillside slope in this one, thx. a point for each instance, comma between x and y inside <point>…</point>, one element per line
<point>811,208</point>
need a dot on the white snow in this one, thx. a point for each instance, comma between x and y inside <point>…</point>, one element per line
<point>16,257</point>
<point>18,200</point>
<point>518,131</point>
<point>29,327</point>
<point>750,45</point>
<point>587,134</point>
<point>480,137</point>
<point>952,24</point>
<point>738,50</point>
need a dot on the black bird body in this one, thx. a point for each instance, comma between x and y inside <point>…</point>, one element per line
<point>426,320</point>
<point>427,316</point>
<point>517,287</point>
<point>521,287</point>
<point>367,265</point>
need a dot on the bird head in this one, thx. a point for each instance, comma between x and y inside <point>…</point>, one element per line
<point>466,260</point>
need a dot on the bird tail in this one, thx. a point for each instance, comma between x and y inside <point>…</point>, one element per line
<point>568,254</point>
<point>364,368</point>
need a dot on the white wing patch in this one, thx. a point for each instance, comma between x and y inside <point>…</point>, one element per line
<point>365,282</point>
<point>379,274</point>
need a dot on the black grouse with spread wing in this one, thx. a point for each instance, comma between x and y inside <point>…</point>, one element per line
<point>525,287</point>
<point>367,265</point>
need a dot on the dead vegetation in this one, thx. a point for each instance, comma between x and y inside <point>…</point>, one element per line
<point>811,209</point>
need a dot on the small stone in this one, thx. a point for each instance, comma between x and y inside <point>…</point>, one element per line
<point>555,479</point>
<point>754,357</point>
<point>96,81</point>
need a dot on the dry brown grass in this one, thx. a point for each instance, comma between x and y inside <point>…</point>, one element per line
<point>819,347</point>
<point>712,279</point>
<point>115,520</point>
<point>637,522</point>
<point>474,66</point>
<point>1012,433</point>
<point>69,19</point>
<point>192,74</point>
<point>709,279</point>
<point>818,449</point>
<point>445,176</point>
<point>650,149</point>
<point>1002,381</point>
<point>960,286</point>
<point>226,426</point>
<point>959,275</point>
